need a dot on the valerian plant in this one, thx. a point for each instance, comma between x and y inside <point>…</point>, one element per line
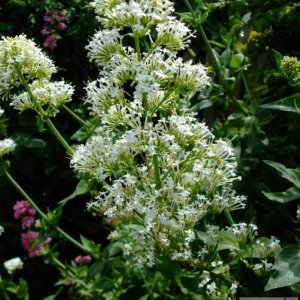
<point>159,175</point>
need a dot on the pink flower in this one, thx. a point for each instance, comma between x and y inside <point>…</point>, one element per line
<point>45,31</point>
<point>28,240</point>
<point>23,209</point>
<point>27,222</point>
<point>61,26</point>
<point>47,18</point>
<point>50,42</point>
<point>83,259</point>
<point>25,212</point>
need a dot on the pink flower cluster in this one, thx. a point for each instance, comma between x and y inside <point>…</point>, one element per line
<point>28,240</point>
<point>80,259</point>
<point>54,22</point>
<point>25,213</point>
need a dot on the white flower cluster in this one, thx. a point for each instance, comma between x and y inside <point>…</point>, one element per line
<point>1,112</point>
<point>21,60</point>
<point>53,94</point>
<point>19,54</point>
<point>126,85</point>
<point>162,171</point>
<point>13,264</point>
<point>6,146</point>
<point>139,15</point>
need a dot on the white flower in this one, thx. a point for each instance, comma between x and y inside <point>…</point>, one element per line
<point>233,288</point>
<point>1,112</point>
<point>13,264</point>
<point>191,78</point>
<point>139,15</point>
<point>173,34</point>
<point>54,94</point>
<point>103,45</point>
<point>1,229</point>
<point>6,146</point>
<point>211,289</point>
<point>21,54</point>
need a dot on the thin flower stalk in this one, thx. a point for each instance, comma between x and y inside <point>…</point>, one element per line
<point>213,57</point>
<point>65,235</point>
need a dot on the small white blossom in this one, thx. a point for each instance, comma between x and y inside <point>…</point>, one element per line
<point>233,288</point>
<point>6,146</point>
<point>103,45</point>
<point>13,264</point>
<point>173,34</point>
<point>211,289</point>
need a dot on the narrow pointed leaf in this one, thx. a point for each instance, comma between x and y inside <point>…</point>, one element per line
<point>83,187</point>
<point>284,197</point>
<point>288,104</point>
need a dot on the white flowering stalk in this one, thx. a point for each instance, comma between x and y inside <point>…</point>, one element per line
<point>22,63</point>
<point>6,146</point>
<point>164,175</point>
<point>13,264</point>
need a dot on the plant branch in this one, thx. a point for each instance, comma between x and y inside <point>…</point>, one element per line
<point>75,116</point>
<point>156,171</point>
<point>228,216</point>
<point>209,49</point>
<point>42,113</point>
<point>45,217</point>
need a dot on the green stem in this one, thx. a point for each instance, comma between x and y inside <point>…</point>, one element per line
<point>58,262</point>
<point>146,45</point>
<point>44,216</point>
<point>41,112</point>
<point>6,296</point>
<point>228,216</point>
<point>156,171</point>
<point>75,116</point>
<point>137,45</point>
<point>25,195</point>
<point>246,85</point>
<point>213,57</point>
<point>59,136</point>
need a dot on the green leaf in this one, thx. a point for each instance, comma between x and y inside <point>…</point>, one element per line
<point>288,104</point>
<point>95,269</point>
<point>83,187</point>
<point>35,143</point>
<point>236,60</point>
<point>278,57</point>
<point>51,297</point>
<point>22,291</point>
<point>284,197</point>
<point>225,57</point>
<point>287,266</point>
<point>289,174</point>
<point>228,241</point>
<point>90,245</point>
<point>205,104</point>
<point>217,44</point>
